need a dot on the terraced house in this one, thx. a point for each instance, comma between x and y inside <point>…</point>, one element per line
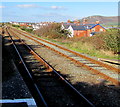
<point>83,30</point>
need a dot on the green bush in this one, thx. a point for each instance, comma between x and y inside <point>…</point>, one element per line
<point>27,29</point>
<point>112,41</point>
<point>109,40</point>
<point>15,25</point>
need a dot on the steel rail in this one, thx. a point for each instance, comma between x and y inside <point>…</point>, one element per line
<point>78,54</point>
<point>43,102</point>
<point>83,98</point>
<point>116,82</point>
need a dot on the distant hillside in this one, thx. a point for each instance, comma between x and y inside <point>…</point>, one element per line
<point>113,20</point>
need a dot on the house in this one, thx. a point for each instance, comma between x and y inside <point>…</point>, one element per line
<point>83,30</point>
<point>37,26</point>
<point>15,23</point>
<point>77,31</point>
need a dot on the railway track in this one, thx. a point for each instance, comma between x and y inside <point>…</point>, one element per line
<point>45,79</point>
<point>25,72</point>
<point>105,71</point>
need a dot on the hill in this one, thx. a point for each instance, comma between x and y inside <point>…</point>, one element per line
<point>111,20</point>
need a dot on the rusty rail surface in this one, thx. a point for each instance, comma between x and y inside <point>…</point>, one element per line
<point>51,69</point>
<point>116,82</point>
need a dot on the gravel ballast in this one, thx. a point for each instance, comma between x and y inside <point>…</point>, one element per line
<point>13,85</point>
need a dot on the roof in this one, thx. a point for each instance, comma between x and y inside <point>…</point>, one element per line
<point>78,27</point>
<point>66,26</point>
<point>69,24</point>
<point>96,25</point>
<point>90,25</point>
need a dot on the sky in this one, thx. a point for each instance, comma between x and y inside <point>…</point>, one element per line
<point>54,11</point>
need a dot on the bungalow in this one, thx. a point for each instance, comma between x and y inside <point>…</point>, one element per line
<point>84,30</point>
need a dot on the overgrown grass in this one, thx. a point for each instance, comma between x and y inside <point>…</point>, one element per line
<point>85,48</point>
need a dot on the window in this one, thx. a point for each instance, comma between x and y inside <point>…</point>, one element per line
<point>93,29</point>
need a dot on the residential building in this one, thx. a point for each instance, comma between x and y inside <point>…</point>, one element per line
<point>83,30</point>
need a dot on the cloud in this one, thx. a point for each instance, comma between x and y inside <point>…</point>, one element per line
<point>57,7</point>
<point>27,5</point>
<point>2,6</point>
<point>42,7</point>
<point>49,15</point>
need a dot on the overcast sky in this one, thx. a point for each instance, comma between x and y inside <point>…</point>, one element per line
<point>55,11</point>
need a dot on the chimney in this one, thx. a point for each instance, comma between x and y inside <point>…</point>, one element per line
<point>84,21</point>
<point>77,22</point>
<point>68,21</point>
<point>97,22</point>
<point>62,22</point>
